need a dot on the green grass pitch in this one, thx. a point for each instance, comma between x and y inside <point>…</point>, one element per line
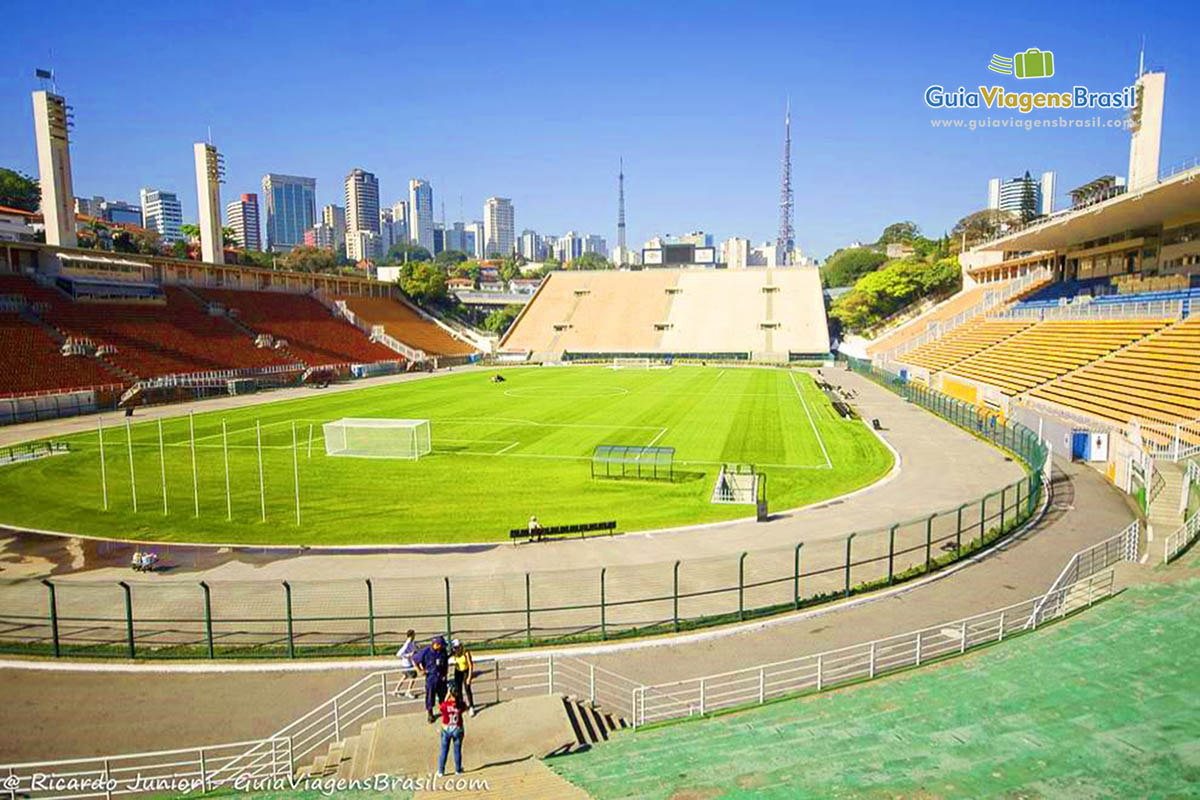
<point>501,452</point>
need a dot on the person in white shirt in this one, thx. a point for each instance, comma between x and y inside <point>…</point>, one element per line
<point>405,654</point>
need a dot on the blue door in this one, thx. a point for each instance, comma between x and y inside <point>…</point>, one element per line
<point>1081,445</point>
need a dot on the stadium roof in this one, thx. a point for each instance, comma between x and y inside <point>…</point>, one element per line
<point>1174,196</point>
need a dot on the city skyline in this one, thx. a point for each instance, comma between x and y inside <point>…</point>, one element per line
<point>558,167</point>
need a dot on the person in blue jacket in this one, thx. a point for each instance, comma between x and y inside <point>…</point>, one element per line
<point>433,662</point>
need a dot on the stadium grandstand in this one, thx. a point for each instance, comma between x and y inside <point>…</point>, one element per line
<point>761,314</point>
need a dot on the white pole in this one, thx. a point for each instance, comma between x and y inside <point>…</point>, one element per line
<point>225,448</point>
<point>262,492</point>
<point>162,464</point>
<point>132,478</point>
<point>195,480</point>
<point>103,472</point>
<point>296,472</point>
<point>310,427</point>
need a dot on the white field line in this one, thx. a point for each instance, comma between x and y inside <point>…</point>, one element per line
<point>656,438</point>
<point>505,450</point>
<point>811,421</point>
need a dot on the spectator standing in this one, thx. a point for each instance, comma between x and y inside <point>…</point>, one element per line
<point>406,653</point>
<point>431,661</point>
<point>464,673</point>
<point>452,732</point>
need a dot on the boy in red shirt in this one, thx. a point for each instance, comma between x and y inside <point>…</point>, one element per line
<point>452,731</point>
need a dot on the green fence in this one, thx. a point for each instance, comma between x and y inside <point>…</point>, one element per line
<point>178,619</point>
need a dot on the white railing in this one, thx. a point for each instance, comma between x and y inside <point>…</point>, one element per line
<point>867,660</point>
<point>1179,541</point>
<point>1125,546</point>
<point>1171,442</point>
<point>1154,309</point>
<point>598,686</point>
<point>372,697</point>
<point>939,329</point>
<point>192,770</point>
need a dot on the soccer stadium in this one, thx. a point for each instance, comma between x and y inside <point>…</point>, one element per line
<point>674,531</point>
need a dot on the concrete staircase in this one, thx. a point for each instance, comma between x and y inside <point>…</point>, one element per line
<point>501,736</point>
<point>1164,517</point>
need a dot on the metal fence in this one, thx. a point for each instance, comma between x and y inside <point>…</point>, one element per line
<point>1125,546</point>
<point>1150,309</point>
<point>165,618</point>
<point>864,661</point>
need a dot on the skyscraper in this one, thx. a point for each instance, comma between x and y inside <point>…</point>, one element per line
<point>242,216</point>
<point>291,204</point>
<point>401,229</point>
<point>362,214</point>
<point>210,173</point>
<point>51,124</point>
<point>530,245</point>
<point>475,234</point>
<point>498,227</point>
<point>334,217</point>
<point>420,207</point>
<point>161,212</point>
<point>387,230</point>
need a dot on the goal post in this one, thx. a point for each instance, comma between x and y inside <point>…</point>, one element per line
<point>360,437</point>
<point>631,363</point>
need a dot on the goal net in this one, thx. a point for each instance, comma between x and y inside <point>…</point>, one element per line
<point>378,438</point>
<point>631,363</point>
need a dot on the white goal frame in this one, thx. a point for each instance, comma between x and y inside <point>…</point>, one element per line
<point>367,437</point>
<point>632,363</point>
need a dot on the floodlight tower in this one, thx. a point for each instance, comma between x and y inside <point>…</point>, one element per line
<point>787,235</point>
<point>210,174</point>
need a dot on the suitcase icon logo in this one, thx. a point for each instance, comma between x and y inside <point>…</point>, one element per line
<point>1033,63</point>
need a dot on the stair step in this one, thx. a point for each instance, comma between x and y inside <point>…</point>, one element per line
<point>317,769</point>
<point>334,758</point>
<point>346,764</point>
<point>362,753</point>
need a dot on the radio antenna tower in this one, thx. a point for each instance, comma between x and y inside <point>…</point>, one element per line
<point>621,209</point>
<point>787,235</point>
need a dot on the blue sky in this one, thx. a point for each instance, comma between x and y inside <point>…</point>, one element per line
<point>536,101</point>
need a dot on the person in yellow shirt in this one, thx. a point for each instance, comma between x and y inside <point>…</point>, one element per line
<point>464,673</point>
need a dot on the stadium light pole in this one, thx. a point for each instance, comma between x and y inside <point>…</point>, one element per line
<point>162,465</point>
<point>103,472</point>
<point>132,477</point>
<point>262,492</point>
<point>225,451</point>
<point>296,471</point>
<point>195,480</point>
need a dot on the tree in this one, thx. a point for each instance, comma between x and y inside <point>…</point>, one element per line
<point>179,249</point>
<point>402,252</point>
<point>590,261</point>
<point>499,320</point>
<point>146,242</point>
<point>509,269</point>
<point>448,258</point>
<point>18,190</point>
<point>844,267</point>
<point>881,293</point>
<point>229,237</point>
<point>980,225</point>
<point>899,233</point>
<point>190,232</point>
<point>423,281</point>
<point>1029,209</point>
<point>309,259</point>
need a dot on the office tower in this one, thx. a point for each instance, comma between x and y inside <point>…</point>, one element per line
<point>52,125</point>
<point>498,230</point>
<point>401,230</point>
<point>387,231</point>
<point>362,245</point>
<point>456,238</point>
<point>323,236</point>
<point>475,231</point>
<point>120,211</point>
<point>595,244</point>
<point>335,217</point>
<point>420,207</point>
<point>162,212</point>
<point>530,245</point>
<point>242,216</point>
<point>1049,184</point>
<point>210,172</point>
<point>362,213</point>
<point>439,238</point>
<point>291,205</point>
<point>568,247</point>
